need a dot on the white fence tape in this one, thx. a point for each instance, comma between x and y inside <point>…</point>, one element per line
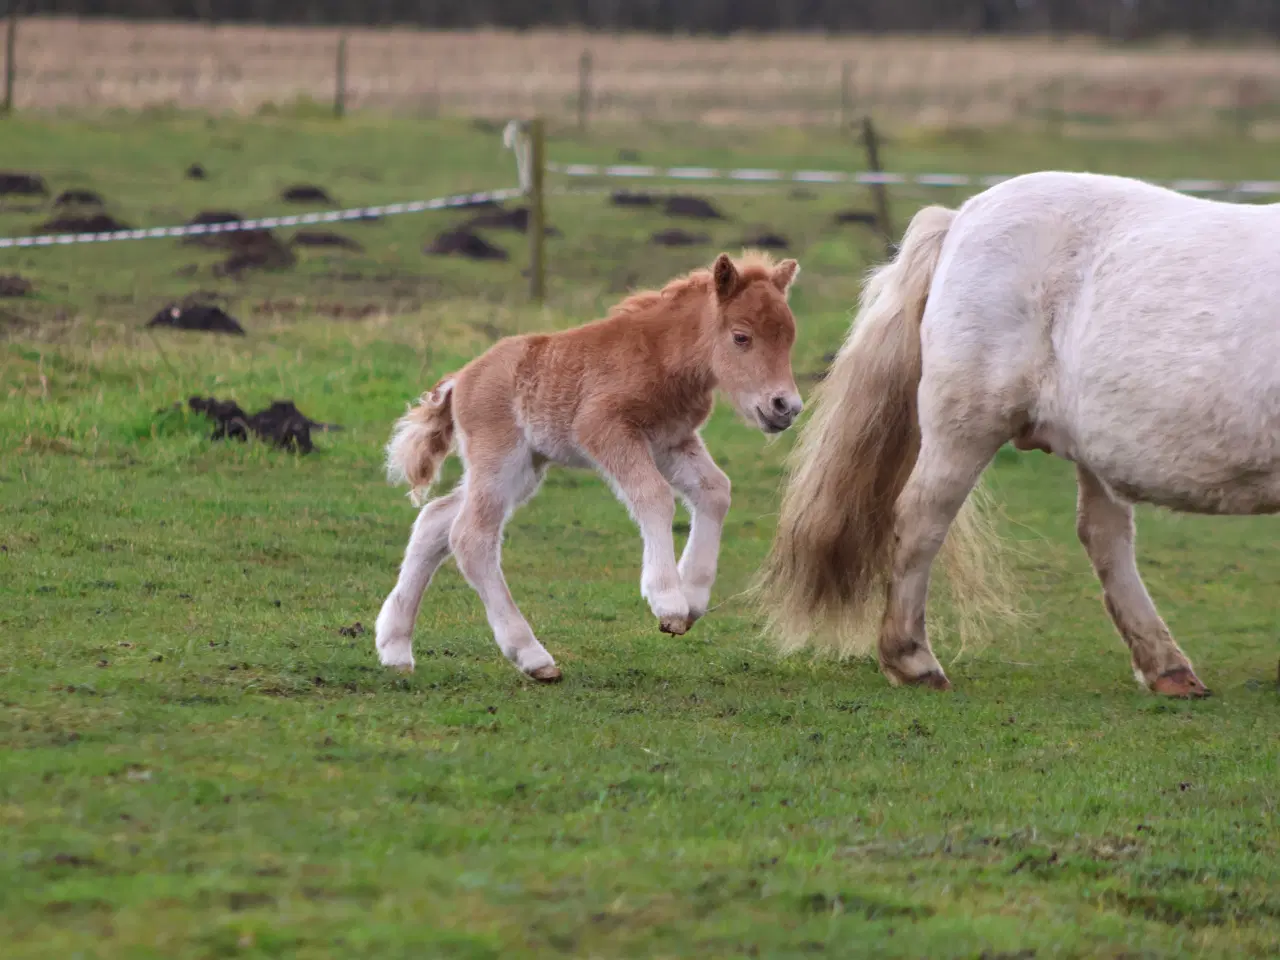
<point>264,223</point>
<point>636,171</point>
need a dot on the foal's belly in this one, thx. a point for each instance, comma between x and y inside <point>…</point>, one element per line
<point>555,446</point>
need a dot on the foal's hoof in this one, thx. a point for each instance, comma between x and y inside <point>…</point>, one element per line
<point>401,667</point>
<point>548,674</point>
<point>1180,682</point>
<point>676,626</point>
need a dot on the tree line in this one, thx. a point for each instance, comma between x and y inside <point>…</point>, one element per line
<point>1116,19</point>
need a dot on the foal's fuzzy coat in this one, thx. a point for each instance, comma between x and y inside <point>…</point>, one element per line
<point>625,395</point>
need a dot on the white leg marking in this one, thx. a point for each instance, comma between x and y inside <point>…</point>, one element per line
<point>428,548</point>
<point>706,490</point>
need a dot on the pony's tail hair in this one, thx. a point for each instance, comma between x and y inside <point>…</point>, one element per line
<point>421,441</point>
<point>832,552</point>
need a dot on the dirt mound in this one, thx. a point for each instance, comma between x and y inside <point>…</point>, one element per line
<point>195,172</point>
<point>282,424</point>
<point>856,216</point>
<point>305,193</point>
<point>254,250</point>
<point>684,205</point>
<point>499,219</point>
<point>207,217</point>
<point>324,238</point>
<point>766,241</point>
<point>82,223</point>
<point>802,193</point>
<point>464,243</point>
<point>624,198</point>
<point>678,238</point>
<point>22,184</point>
<point>197,316</point>
<point>628,156</point>
<point>79,198</point>
<point>14,286</point>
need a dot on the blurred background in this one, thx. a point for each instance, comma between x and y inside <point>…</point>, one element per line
<point>1144,67</point>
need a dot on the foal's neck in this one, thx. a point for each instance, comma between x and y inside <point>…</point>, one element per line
<point>683,329</point>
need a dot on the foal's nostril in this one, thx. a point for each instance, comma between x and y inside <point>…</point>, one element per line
<point>781,406</point>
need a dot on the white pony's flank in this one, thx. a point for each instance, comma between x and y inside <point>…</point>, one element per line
<point>1127,328</point>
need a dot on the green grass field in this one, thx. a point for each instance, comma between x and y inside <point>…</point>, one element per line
<point>198,761</point>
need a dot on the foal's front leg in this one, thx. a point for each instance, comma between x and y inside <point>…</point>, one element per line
<point>705,488</point>
<point>627,462</point>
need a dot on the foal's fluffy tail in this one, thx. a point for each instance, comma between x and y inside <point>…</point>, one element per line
<point>832,552</point>
<point>421,441</point>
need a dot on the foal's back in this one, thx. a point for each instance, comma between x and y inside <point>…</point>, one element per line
<point>632,367</point>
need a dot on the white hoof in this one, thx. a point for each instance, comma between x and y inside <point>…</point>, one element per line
<point>396,654</point>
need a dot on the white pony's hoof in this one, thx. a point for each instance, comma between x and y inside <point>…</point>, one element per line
<point>397,657</point>
<point>548,674</point>
<point>676,625</point>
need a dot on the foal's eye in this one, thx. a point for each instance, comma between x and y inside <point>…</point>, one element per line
<point>741,339</point>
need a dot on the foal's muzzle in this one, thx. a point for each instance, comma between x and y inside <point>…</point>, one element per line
<point>780,412</point>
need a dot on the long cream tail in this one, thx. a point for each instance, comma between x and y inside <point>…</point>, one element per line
<point>832,552</point>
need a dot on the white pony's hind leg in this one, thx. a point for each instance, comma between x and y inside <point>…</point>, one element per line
<point>1105,526</point>
<point>428,548</point>
<point>946,471</point>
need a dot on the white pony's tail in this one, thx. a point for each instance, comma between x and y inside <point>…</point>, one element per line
<point>421,441</point>
<point>833,548</point>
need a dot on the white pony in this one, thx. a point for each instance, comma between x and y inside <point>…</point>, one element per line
<point>1124,327</point>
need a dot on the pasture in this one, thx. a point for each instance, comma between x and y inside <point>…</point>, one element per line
<point>200,756</point>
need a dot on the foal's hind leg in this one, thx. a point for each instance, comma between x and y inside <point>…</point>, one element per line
<point>1105,526</point>
<point>705,488</point>
<point>495,487</point>
<point>945,473</point>
<point>428,548</point>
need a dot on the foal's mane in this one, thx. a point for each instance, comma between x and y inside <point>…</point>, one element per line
<point>752,265</point>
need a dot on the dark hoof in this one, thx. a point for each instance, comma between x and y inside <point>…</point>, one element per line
<point>548,674</point>
<point>676,626</point>
<point>1180,682</point>
<point>933,680</point>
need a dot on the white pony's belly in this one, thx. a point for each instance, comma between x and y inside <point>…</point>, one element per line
<point>1177,458</point>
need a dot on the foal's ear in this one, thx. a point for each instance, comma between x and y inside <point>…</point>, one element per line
<point>726,277</point>
<point>784,274</point>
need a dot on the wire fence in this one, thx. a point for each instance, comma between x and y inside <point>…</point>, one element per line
<point>267,223</point>
<point>568,77</point>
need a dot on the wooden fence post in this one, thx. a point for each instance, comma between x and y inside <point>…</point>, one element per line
<point>878,190</point>
<point>11,56</point>
<point>537,211</point>
<point>340,79</point>
<point>584,90</point>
